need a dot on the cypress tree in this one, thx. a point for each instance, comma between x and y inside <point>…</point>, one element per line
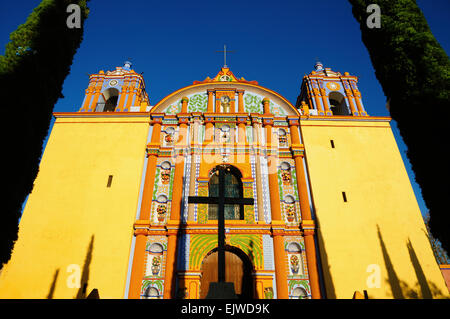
<point>414,73</point>
<point>32,71</point>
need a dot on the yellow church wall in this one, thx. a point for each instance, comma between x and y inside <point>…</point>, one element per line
<point>379,230</point>
<point>72,219</point>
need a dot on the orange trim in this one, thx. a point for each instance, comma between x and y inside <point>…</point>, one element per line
<point>266,103</point>
<point>137,272</point>
<point>280,267</point>
<point>209,132</point>
<point>87,101</point>
<point>310,248</point>
<point>358,103</point>
<point>325,101</point>
<point>138,266</point>
<point>240,101</point>
<point>316,98</point>
<point>210,101</point>
<point>170,265</point>
<point>242,135</point>
<point>177,193</point>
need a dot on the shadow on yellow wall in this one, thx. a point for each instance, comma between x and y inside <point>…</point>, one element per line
<point>85,274</point>
<point>400,289</point>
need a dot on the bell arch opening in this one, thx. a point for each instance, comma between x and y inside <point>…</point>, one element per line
<point>337,104</point>
<point>108,100</point>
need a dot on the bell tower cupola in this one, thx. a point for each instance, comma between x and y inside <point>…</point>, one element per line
<point>328,93</point>
<point>121,90</point>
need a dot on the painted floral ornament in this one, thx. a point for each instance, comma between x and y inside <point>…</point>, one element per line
<point>290,212</point>
<point>156,265</point>
<point>165,176</point>
<point>295,264</point>
<point>286,177</point>
<point>161,210</point>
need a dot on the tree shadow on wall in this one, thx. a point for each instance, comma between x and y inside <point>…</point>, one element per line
<point>53,285</point>
<point>322,258</point>
<point>394,282</point>
<point>400,289</point>
<point>248,285</point>
<point>85,274</point>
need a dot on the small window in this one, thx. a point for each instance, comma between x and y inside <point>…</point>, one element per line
<point>110,177</point>
<point>344,196</point>
<point>332,143</point>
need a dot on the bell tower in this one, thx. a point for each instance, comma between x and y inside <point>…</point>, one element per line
<point>327,93</point>
<point>121,90</point>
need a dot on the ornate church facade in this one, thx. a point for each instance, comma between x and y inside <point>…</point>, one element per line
<point>333,210</point>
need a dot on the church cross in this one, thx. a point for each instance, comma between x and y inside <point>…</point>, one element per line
<point>225,55</point>
<point>221,201</point>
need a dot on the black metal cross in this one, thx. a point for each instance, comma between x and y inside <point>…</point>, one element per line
<point>225,55</point>
<point>221,201</point>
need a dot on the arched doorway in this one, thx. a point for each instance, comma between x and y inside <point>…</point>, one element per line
<point>238,269</point>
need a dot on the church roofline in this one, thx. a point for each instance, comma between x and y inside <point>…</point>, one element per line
<point>219,84</point>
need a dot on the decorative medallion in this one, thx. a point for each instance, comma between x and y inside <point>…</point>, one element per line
<point>333,86</point>
<point>225,78</point>
<point>113,82</point>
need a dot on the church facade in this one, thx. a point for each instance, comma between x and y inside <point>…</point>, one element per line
<point>113,207</point>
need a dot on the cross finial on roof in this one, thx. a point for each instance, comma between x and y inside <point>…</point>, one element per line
<point>225,55</point>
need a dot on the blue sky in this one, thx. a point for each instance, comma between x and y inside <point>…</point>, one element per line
<point>274,42</point>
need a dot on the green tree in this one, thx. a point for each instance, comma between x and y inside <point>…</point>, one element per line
<point>414,72</point>
<point>32,71</point>
<point>439,252</point>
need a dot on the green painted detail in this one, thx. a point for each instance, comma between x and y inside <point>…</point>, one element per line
<point>280,183</point>
<point>276,110</point>
<point>172,172</point>
<point>297,240</point>
<point>253,103</point>
<point>174,108</point>
<point>251,244</point>
<point>198,103</point>
<point>202,209</point>
<point>299,282</point>
<point>201,134</point>
<point>294,182</point>
<point>249,210</point>
<point>149,243</point>
<point>155,187</point>
<point>249,133</point>
<point>159,284</point>
<point>225,119</point>
<point>200,245</point>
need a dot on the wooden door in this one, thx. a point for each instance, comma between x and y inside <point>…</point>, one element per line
<point>236,271</point>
